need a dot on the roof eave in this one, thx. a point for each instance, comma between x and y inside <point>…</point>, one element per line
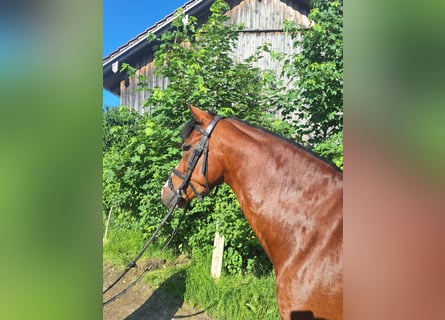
<point>125,52</point>
<point>189,8</point>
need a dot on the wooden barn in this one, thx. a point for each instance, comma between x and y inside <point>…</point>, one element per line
<point>263,22</point>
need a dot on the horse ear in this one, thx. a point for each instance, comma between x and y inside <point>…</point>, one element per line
<point>200,115</point>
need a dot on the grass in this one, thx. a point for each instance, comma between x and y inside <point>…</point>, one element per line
<point>124,244</point>
<point>230,297</point>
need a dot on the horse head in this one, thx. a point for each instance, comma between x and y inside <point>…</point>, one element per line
<point>200,167</point>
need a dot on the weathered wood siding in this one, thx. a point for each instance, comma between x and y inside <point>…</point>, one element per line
<point>263,22</point>
<point>266,17</point>
<point>134,98</point>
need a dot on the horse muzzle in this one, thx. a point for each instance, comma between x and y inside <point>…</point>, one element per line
<point>171,198</point>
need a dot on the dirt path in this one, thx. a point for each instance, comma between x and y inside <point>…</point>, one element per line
<point>144,302</point>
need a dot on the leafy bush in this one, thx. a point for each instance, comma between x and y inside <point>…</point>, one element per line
<point>140,151</point>
<point>332,148</point>
<point>313,77</point>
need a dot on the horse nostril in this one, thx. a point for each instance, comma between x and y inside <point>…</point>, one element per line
<point>162,192</point>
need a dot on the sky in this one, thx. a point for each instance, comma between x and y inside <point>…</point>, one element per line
<point>125,19</point>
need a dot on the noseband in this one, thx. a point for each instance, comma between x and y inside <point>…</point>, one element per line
<point>201,149</point>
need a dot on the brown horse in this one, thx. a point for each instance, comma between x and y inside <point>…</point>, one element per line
<point>292,199</point>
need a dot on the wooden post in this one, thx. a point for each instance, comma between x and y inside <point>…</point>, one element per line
<point>106,227</point>
<point>217,256</point>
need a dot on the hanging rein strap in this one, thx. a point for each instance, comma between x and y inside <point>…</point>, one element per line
<point>132,263</point>
<point>150,266</point>
<point>202,149</point>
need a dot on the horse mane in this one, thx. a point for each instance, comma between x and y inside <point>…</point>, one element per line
<point>293,142</point>
<point>188,128</point>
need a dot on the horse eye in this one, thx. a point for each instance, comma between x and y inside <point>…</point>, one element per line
<point>186,147</point>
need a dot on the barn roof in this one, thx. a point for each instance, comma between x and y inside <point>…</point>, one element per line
<point>133,49</point>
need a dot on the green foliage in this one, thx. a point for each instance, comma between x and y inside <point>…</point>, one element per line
<point>119,124</point>
<point>316,73</point>
<point>132,175</point>
<point>140,151</point>
<point>201,71</point>
<point>332,149</point>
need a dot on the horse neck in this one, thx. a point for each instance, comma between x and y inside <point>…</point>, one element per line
<point>273,179</point>
<point>252,155</point>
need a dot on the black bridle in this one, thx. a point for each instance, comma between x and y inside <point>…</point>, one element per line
<point>202,148</point>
